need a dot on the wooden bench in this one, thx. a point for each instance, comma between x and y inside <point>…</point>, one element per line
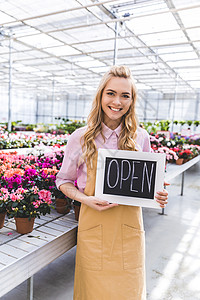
<point>22,256</point>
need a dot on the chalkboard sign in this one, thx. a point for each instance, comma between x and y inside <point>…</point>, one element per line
<point>129,177</point>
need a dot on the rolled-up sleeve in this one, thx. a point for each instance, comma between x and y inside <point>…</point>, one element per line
<point>69,168</point>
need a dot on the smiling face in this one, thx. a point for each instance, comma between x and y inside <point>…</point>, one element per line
<point>116,100</point>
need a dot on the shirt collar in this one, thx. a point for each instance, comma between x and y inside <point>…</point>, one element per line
<point>107,131</point>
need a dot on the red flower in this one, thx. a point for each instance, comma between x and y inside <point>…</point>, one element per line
<point>185,154</point>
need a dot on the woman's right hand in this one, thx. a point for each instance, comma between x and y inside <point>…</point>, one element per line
<point>98,204</point>
<point>72,192</point>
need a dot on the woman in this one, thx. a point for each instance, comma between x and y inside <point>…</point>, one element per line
<point>110,244</point>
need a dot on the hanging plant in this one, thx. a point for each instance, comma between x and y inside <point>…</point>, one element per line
<point>164,125</point>
<point>196,123</point>
<point>175,122</point>
<point>189,122</point>
<point>182,122</point>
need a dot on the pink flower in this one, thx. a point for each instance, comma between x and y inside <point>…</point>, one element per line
<point>35,204</point>
<point>45,196</point>
<point>13,197</point>
<point>35,189</point>
<point>20,191</point>
<point>4,191</point>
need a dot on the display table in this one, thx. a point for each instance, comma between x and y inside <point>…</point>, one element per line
<point>21,256</point>
<point>27,151</point>
<point>173,170</point>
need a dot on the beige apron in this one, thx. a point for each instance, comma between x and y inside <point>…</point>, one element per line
<point>110,251</point>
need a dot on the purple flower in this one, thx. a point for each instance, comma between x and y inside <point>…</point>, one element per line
<point>30,172</point>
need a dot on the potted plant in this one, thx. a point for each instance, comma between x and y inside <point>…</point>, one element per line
<point>3,205</point>
<point>63,203</point>
<point>182,123</point>
<point>185,155</point>
<point>196,123</point>
<point>27,204</point>
<point>164,125</point>
<point>175,122</point>
<point>189,122</point>
<point>195,150</point>
<point>170,154</point>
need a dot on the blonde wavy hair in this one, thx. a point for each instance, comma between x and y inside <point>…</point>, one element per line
<point>94,125</point>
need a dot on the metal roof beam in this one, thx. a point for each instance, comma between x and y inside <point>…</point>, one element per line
<point>171,5</point>
<point>114,20</point>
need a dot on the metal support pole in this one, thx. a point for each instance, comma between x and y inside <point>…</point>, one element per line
<point>196,113</point>
<point>37,110</point>
<point>10,86</point>
<point>169,108</point>
<point>145,109</point>
<point>67,108</point>
<point>84,104</point>
<point>76,99</point>
<point>157,109</point>
<point>182,183</point>
<point>115,45</point>
<point>182,109</point>
<point>163,209</point>
<point>175,98</point>
<point>30,288</point>
<point>53,101</point>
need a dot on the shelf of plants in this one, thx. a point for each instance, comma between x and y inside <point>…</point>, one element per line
<point>27,193</point>
<point>28,181</point>
<point>21,256</point>
<point>28,190</point>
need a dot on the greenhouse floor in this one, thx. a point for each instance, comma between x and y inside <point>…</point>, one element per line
<point>172,252</point>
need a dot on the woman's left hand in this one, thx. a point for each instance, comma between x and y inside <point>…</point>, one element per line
<point>162,196</point>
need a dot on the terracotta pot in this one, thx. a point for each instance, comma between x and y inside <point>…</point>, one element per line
<point>179,161</point>
<point>62,206</point>
<point>76,211</point>
<point>24,225</point>
<point>185,160</point>
<point>2,218</point>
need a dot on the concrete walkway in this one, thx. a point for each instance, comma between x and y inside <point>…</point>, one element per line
<point>172,252</point>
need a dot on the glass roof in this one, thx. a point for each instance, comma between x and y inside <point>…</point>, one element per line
<point>72,43</point>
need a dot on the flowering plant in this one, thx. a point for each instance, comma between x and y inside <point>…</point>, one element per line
<point>3,199</point>
<point>21,140</point>
<point>170,154</point>
<point>186,154</point>
<point>28,203</point>
<point>195,150</point>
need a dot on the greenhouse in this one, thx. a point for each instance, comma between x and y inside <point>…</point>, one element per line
<point>77,76</point>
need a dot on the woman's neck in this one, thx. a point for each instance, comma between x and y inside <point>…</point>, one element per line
<point>112,124</point>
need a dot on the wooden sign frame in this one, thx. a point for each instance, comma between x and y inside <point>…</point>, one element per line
<point>151,169</point>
